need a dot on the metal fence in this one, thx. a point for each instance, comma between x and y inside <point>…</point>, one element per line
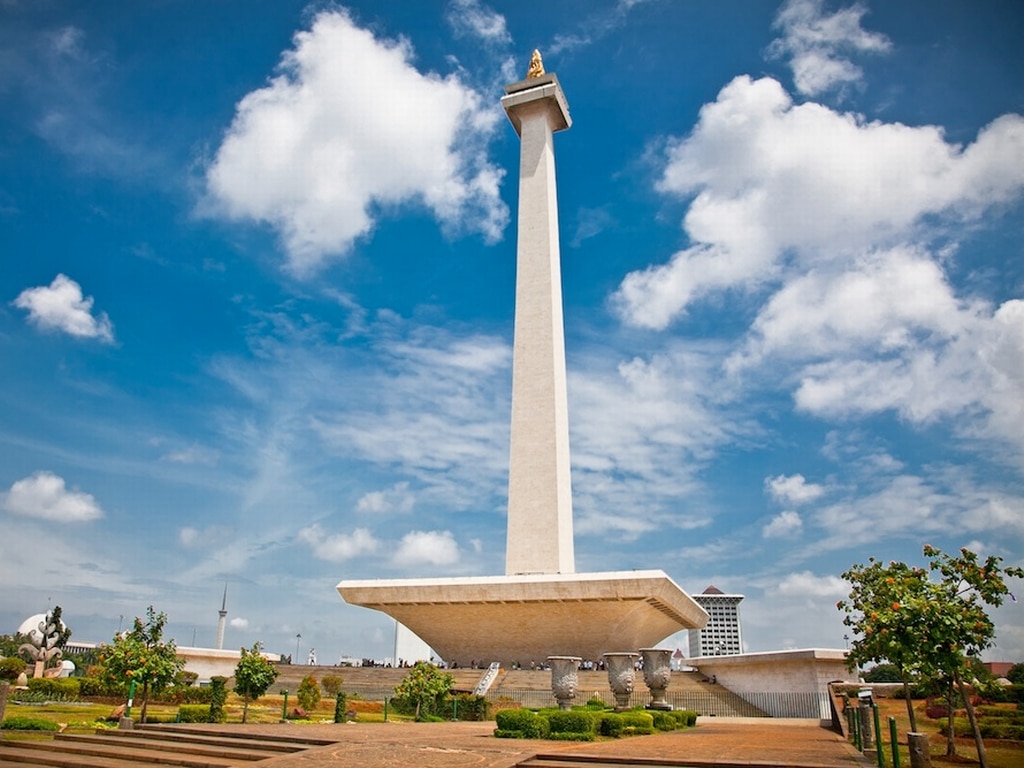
<point>719,703</point>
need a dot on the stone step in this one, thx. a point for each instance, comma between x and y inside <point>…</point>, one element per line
<point>103,743</point>
<point>189,741</point>
<point>186,733</point>
<point>78,755</point>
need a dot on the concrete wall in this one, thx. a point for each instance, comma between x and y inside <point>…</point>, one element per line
<point>209,662</point>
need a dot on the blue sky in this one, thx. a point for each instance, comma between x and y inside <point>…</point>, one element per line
<point>258,274</point>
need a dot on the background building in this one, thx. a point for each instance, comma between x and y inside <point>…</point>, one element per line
<point>722,635</point>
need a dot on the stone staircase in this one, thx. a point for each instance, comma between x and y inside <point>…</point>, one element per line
<point>153,746</point>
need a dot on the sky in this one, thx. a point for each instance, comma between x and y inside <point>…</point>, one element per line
<point>256,302</point>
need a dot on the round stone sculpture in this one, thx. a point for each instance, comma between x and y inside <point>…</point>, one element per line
<point>657,675</point>
<point>564,679</point>
<point>621,677</point>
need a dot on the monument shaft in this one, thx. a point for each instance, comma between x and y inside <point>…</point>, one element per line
<point>539,537</point>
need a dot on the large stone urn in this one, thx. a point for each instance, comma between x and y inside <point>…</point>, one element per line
<point>657,675</point>
<point>564,679</point>
<point>621,677</point>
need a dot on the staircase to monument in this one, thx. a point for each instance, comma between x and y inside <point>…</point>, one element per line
<point>188,747</point>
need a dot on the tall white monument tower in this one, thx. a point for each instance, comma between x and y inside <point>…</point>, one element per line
<point>539,488</point>
<point>222,616</point>
<point>541,607</point>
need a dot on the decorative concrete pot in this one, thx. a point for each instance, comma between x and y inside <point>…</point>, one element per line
<point>621,677</point>
<point>657,675</point>
<point>564,679</point>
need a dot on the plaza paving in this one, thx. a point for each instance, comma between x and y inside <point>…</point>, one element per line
<point>716,741</point>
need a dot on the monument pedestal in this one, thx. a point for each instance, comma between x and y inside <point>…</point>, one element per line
<point>528,618</point>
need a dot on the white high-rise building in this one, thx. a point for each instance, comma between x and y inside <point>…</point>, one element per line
<point>722,635</point>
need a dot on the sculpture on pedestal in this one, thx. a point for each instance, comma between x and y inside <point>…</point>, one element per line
<point>45,644</point>
<point>621,677</point>
<point>564,679</point>
<point>657,675</point>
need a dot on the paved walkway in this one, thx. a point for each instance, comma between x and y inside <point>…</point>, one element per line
<point>721,741</point>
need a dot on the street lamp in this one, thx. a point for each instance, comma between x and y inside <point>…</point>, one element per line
<point>297,638</point>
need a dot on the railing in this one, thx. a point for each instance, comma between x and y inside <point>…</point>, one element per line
<point>487,680</point>
<point>720,703</point>
<point>706,703</point>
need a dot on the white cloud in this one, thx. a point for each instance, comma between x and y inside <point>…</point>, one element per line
<point>44,495</point>
<point>61,307</point>
<point>783,525</point>
<point>339,546</point>
<point>394,499</point>
<point>811,585</point>
<point>641,429</point>
<point>793,489</point>
<point>469,17</point>
<point>347,129</point>
<point>193,454</point>
<point>817,43</point>
<point>239,623</point>
<point>427,548</point>
<point>783,188</point>
<point>205,538</point>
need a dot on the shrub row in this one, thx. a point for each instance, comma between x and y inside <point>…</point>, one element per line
<point>997,729</point>
<point>21,723</point>
<point>585,724</point>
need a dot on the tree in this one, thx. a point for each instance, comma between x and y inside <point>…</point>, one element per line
<point>424,684</point>
<point>332,684</point>
<point>1016,674</point>
<point>934,621</point>
<point>308,693</point>
<point>883,673</point>
<point>141,656</point>
<point>885,628</point>
<point>253,676</point>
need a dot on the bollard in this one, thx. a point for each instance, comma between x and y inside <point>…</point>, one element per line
<point>4,688</point>
<point>284,707</point>
<point>894,739</point>
<point>856,731</point>
<point>879,752</point>
<point>920,755</point>
<point>385,710</point>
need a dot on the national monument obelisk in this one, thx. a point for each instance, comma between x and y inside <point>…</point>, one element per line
<point>541,607</point>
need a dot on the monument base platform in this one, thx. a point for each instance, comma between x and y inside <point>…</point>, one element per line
<point>527,618</point>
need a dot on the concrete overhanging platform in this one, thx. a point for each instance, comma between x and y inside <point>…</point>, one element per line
<point>526,618</point>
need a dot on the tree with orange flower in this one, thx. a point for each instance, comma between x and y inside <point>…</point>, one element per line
<point>141,656</point>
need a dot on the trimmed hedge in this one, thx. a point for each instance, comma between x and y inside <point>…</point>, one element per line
<point>56,688</point>
<point>520,724</point>
<point>637,723</point>
<point>194,713</point>
<point>22,723</point>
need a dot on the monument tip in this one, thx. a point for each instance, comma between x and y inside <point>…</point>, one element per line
<point>536,68</point>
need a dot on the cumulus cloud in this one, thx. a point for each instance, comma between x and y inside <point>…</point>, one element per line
<point>833,218</point>
<point>239,623</point>
<point>793,489</point>
<point>779,184</point>
<point>397,498</point>
<point>338,547</point>
<point>427,548</point>
<point>783,525</point>
<point>818,44</point>
<point>60,306</point>
<point>45,496</point>
<point>348,128</point>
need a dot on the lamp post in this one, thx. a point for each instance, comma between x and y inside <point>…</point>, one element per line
<point>297,638</point>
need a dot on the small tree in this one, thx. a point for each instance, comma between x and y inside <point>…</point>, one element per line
<point>308,693</point>
<point>1016,674</point>
<point>425,685</point>
<point>141,656</point>
<point>881,612</point>
<point>253,676</point>
<point>934,621</point>
<point>332,684</point>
